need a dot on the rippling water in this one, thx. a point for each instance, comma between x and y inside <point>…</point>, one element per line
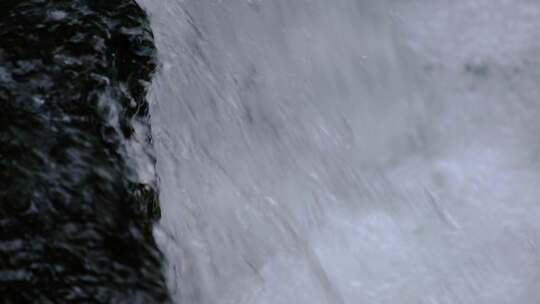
<point>348,151</point>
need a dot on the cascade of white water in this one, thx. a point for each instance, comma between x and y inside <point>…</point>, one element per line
<point>348,151</point>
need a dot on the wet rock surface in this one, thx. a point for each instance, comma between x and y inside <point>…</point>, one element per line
<point>77,189</point>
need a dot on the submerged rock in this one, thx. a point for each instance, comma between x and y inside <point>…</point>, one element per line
<point>77,191</point>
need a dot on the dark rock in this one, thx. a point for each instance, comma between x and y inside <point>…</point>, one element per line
<point>75,215</point>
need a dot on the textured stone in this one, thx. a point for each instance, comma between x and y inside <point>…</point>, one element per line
<point>75,215</point>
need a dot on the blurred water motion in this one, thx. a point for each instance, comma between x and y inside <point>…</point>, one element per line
<point>348,151</point>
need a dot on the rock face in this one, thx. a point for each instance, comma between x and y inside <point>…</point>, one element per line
<point>77,191</point>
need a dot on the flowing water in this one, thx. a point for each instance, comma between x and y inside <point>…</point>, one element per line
<point>348,151</point>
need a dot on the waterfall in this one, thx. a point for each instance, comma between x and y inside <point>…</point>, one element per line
<point>348,151</point>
